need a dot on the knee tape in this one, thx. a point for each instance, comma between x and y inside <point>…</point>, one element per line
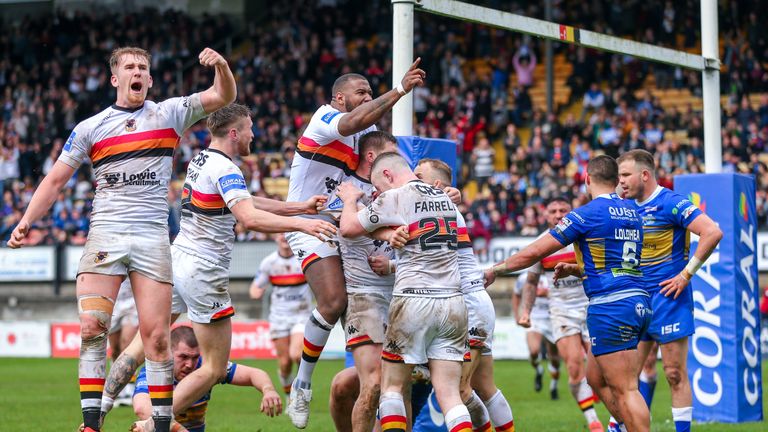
<point>100,308</point>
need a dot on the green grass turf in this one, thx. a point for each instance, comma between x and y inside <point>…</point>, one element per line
<point>42,395</point>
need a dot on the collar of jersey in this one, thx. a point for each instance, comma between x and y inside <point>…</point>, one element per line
<point>124,109</point>
<point>219,152</point>
<point>354,174</point>
<point>606,196</point>
<point>650,198</point>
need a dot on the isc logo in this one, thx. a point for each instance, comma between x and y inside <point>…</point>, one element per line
<point>670,328</point>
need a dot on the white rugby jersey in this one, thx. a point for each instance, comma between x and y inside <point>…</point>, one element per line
<point>355,252</point>
<point>132,155</point>
<point>567,293</point>
<point>427,266</point>
<point>290,291</point>
<point>540,309</point>
<point>472,278</point>
<point>323,159</point>
<point>214,184</point>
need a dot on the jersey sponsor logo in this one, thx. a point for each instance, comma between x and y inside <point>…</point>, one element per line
<point>563,225</point>
<point>112,178</point>
<point>331,184</point>
<point>621,213</point>
<point>687,212</point>
<point>145,178</point>
<point>232,181</point>
<point>337,204</point>
<point>327,117</point>
<point>70,140</point>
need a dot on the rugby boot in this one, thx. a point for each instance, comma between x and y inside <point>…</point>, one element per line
<point>596,426</point>
<point>298,407</point>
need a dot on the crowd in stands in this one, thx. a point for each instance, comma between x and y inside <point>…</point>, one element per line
<point>53,74</point>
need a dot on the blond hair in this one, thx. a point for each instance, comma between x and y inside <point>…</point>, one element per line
<point>117,53</point>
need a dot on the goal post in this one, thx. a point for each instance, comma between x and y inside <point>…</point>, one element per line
<point>708,63</point>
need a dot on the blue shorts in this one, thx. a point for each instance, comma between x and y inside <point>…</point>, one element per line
<point>672,318</point>
<point>617,326</point>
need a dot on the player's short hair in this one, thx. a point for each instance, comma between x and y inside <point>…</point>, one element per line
<point>392,160</point>
<point>222,120</point>
<point>117,53</point>
<point>603,169</point>
<point>343,80</point>
<point>183,334</point>
<point>441,169</point>
<point>642,158</point>
<point>375,141</point>
<point>557,199</point>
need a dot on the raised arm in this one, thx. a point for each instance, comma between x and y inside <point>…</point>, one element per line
<point>367,114</point>
<point>41,202</point>
<point>224,89</point>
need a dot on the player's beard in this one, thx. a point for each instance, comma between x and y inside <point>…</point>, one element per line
<point>348,106</point>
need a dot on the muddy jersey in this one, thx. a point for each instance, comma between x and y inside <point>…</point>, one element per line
<point>356,251</point>
<point>324,158</point>
<point>214,184</point>
<point>427,266</point>
<point>540,309</point>
<point>290,291</point>
<point>132,155</point>
<point>565,293</point>
<point>472,278</point>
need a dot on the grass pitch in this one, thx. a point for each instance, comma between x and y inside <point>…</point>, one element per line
<point>42,395</point>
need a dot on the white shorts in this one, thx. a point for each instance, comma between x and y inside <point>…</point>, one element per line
<point>567,322</point>
<point>422,329</point>
<point>124,313</point>
<point>481,320</point>
<point>365,320</point>
<point>145,250</point>
<point>200,288</point>
<point>310,249</point>
<point>282,325</point>
<point>543,326</point>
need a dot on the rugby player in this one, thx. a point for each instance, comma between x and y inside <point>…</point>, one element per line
<point>486,404</point>
<point>130,145</point>
<point>289,306</point>
<point>213,199</point>
<point>530,306</point>
<point>327,152</point>
<point>427,317</point>
<point>568,315</point>
<point>667,220</point>
<point>186,355</point>
<point>608,238</point>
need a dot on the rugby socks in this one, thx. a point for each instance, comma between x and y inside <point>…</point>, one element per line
<point>615,426</point>
<point>92,374</point>
<point>316,334</point>
<point>392,412</point>
<point>647,385</point>
<point>682,418</point>
<point>500,413</point>
<point>554,373</point>
<point>481,421</point>
<point>286,382</point>
<point>160,384</point>
<point>457,419</point>
<point>585,397</point>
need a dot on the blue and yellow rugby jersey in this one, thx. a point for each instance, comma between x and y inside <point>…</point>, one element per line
<point>666,216</point>
<point>193,419</point>
<point>607,235</point>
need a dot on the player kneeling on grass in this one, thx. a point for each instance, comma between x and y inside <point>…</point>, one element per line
<point>187,359</point>
<point>427,317</point>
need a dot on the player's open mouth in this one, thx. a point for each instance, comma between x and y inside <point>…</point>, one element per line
<point>136,87</point>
